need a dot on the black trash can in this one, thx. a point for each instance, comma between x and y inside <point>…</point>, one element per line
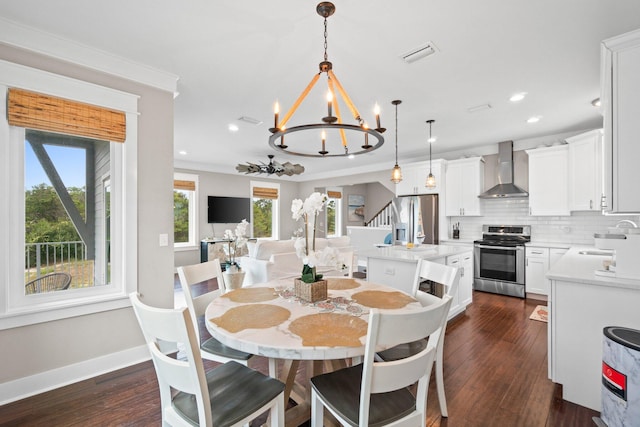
<point>621,377</point>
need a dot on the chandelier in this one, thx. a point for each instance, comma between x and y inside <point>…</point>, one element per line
<point>332,128</point>
<point>271,168</point>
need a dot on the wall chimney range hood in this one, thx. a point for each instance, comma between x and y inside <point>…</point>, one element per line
<point>505,187</point>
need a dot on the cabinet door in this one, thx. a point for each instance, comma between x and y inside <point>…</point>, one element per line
<point>621,85</point>
<point>536,270</point>
<point>472,182</point>
<point>465,289</point>
<point>585,171</point>
<point>555,254</point>
<point>464,182</point>
<point>548,181</point>
<point>453,185</point>
<point>455,261</point>
<point>408,184</point>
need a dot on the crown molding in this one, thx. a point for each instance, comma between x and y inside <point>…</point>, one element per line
<point>34,40</point>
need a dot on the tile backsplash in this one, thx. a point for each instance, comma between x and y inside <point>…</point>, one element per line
<point>577,229</point>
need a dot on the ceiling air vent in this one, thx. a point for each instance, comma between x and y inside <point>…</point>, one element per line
<point>418,53</point>
<point>250,120</point>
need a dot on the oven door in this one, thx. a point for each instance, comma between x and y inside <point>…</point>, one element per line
<point>499,263</point>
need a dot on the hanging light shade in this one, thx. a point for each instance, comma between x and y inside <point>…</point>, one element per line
<point>334,130</point>
<point>396,172</point>
<point>431,180</point>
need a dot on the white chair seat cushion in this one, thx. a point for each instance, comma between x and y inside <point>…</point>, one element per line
<point>340,391</point>
<point>235,392</point>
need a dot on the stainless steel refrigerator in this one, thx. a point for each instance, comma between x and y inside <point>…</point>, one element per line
<point>415,219</point>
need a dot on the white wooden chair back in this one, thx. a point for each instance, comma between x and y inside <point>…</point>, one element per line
<point>390,329</point>
<point>446,275</point>
<point>190,275</point>
<point>174,326</point>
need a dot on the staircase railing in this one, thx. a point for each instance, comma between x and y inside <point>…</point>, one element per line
<point>382,218</point>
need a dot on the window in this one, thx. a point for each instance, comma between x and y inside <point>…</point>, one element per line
<point>334,213</point>
<point>265,210</point>
<point>185,208</point>
<point>66,212</point>
<point>93,218</point>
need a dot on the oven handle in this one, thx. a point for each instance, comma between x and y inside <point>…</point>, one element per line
<point>501,248</point>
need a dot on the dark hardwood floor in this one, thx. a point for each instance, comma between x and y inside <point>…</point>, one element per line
<point>495,375</point>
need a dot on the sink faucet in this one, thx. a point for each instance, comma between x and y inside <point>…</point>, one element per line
<point>626,221</point>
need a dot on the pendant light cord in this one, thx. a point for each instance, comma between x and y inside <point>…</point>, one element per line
<point>396,134</point>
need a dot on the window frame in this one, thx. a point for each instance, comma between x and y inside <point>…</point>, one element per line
<point>275,218</point>
<point>15,308</point>
<point>193,213</point>
<point>338,219</point>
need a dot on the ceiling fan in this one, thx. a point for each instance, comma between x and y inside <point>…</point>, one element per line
<point>270,168</point>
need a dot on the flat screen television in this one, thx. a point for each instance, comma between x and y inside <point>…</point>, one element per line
<point>227,210</point>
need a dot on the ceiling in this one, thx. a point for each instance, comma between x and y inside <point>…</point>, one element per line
<point>236,58</point>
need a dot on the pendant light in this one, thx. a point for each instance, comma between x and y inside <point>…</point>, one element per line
<point>396,172</point>
<point>431,180</point>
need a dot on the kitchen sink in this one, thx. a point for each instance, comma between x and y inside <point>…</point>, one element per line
<point>596,252</point>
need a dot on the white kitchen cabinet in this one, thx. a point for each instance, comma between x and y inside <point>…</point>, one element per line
<point>463,296</point>
<point>414,177</point>
<point>585,171</point>
<point>465,181</point>
<point>620,86</point>
<point>538,262</point>
<point>549,181</point>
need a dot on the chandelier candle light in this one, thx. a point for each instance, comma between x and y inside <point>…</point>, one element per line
<point>333,127</point>
<point>431,180</point>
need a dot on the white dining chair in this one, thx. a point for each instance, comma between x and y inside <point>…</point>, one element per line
<point>231,394</point>
<point>449,277</point>
<point>190,275</point>
<point>376,392</point>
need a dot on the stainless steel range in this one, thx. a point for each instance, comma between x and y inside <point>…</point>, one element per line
<point>499,259</point>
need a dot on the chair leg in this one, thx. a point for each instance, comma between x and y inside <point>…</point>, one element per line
<point>317,410</point>
<point>440,383</point>
<point>276,414</point>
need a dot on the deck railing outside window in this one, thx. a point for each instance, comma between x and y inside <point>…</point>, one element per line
<point>68,257</point>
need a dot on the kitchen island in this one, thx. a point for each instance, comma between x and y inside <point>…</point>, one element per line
<point>581,304</point>
<point>396,266</point>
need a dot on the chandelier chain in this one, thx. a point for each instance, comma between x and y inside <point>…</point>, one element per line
<point>325,40</point>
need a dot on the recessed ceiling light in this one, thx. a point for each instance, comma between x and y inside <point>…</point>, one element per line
<point>518,96</point>
<point>351,156</point>
<point>233,127</point>
<point>182,153</point>
<point>534,119</point>
<point>596,102</point>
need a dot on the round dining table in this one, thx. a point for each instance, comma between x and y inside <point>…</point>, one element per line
<point>267,319</point>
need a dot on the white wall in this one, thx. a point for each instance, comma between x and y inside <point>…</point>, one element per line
<point>228,185</point>
<point>64,344</point>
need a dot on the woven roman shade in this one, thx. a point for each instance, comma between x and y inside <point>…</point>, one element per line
<point>334,194</point>
<point>265,193</point>
<point>34,110</point>
<point>179,184</point>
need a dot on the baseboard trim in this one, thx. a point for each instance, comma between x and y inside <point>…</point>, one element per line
<point>39,383</point>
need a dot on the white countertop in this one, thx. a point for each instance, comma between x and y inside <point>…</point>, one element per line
<point>576,267</point>
<point>401,253</point>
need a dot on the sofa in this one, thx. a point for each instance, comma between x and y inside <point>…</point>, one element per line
<point>276,259</point>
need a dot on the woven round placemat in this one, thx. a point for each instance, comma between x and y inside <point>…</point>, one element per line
<point>251,294</point>
<point>329,330</point>
<point>338,284</point>
<point>381,299</point>
<point>253,316</point>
